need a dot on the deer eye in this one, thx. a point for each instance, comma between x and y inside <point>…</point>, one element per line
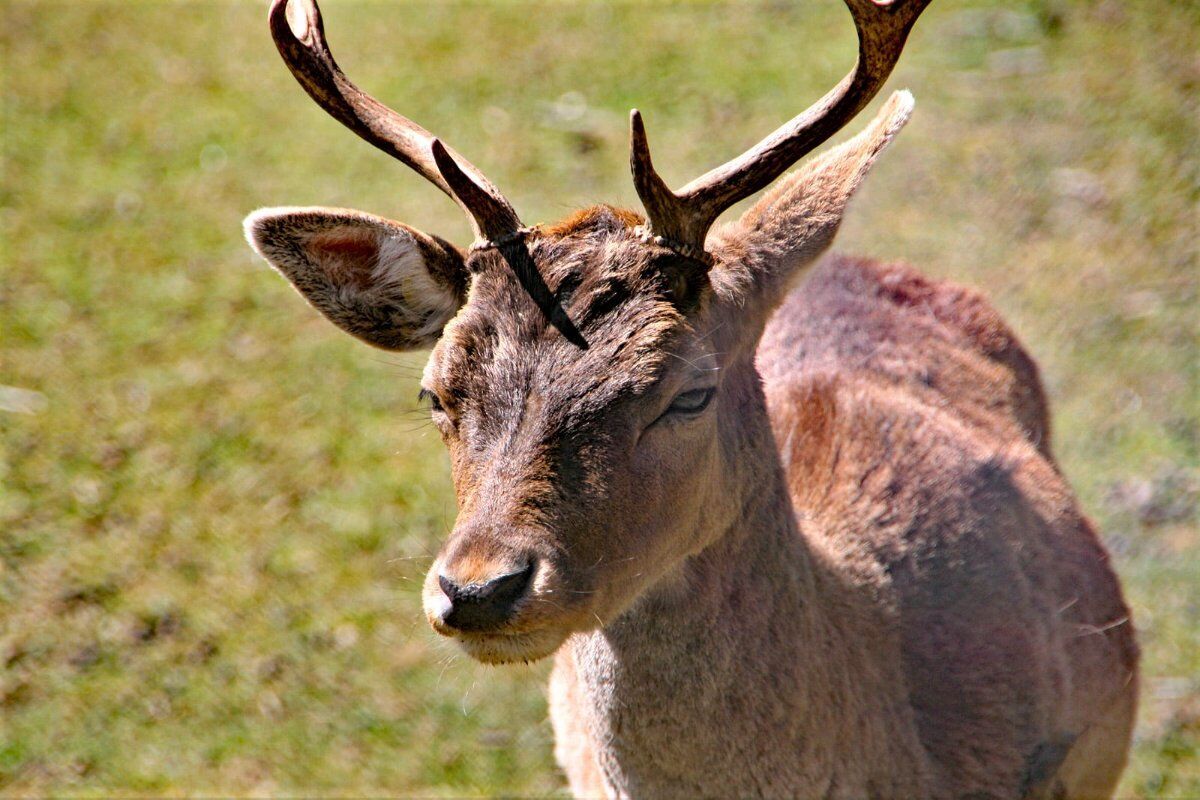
<point>435,403</point>
<point>692,402</point>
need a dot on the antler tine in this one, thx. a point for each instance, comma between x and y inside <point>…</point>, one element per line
<point>685,216</point>
<point>667,213</point>
<point>308,57</point>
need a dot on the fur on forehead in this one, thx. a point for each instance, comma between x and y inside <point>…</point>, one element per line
<point>611,287</point>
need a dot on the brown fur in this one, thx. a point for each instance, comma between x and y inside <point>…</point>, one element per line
<point>857,573</point>
<point>912,449</point>
<point>587,218</point>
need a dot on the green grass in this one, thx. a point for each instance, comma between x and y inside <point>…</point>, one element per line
<point>215,510</point>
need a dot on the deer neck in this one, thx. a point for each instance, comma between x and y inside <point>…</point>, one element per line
<point>754,658</point>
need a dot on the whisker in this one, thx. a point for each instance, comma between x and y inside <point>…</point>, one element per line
<point>547,602</point>
<point>710,333</point>
<point>466,694</point>
<point>1067,605</point>
<point>1095,630</point>
<point>445,666</point>
<point>695,366</point>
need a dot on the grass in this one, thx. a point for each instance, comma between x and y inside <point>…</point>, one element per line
<point>215,510</point>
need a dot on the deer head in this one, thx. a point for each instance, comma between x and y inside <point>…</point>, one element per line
<point>592,379</point>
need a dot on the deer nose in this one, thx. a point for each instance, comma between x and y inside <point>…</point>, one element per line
<point>484,606</point>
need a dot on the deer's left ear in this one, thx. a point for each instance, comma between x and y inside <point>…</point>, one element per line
<point>386,283</point>
<point>796,221</point>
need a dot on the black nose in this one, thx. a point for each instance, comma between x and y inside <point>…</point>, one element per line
<point>479,607</point>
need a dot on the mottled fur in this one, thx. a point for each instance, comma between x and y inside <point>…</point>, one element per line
<point>858,573</point>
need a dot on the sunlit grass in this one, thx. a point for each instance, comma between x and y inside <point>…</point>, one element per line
<point>215,510</point>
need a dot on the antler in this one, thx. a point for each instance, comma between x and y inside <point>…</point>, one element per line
<point>308,57</point>
<point>684,217</point>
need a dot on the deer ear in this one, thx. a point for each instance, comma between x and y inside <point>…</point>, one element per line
<point>793,224</point>
<point>386,283</point>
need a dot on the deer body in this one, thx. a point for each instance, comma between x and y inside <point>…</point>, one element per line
<point>906,608</point>
<point>786,539</point>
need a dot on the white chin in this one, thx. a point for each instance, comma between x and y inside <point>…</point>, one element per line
<point>511,649</point>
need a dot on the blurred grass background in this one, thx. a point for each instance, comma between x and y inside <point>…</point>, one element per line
<point>215,509</point>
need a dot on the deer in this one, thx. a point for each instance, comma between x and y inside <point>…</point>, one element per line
<point>788,521</point>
